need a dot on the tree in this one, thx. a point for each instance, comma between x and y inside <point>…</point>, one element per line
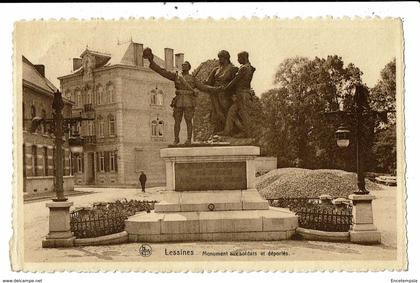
<point>383,98</point>
<point>305,89</point>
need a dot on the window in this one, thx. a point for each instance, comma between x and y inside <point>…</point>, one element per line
<point>156,97</point>
<point>160,129</point>
<point>159,98</point>
<point>154,128</point>
<point>101,126</point>
<point>45,161</point>
<point>88,95</point>
<point>157,128</point>
<point>78,98</point>
<point>34,160</point>
<point>99,94</point>
<point>113,161</point>
<point>101,161</point>
<point>111,125</point>
<point>80,163</point>
<point>91,128</point>
<point>110,91</point>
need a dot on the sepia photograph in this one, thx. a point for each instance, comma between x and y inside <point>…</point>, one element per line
<point>170,145</point>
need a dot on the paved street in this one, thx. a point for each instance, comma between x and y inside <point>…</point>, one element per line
<point>36,227</point>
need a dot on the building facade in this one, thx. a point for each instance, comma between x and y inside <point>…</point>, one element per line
<point>38,147</point>
<point>133,119</point>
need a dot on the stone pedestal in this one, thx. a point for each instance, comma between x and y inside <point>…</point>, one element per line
<point>211,197</point>
<point>210,168</point>
<point>363,230</point>
<point>59,226</point>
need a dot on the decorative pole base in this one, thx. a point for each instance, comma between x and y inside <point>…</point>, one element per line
<point>363,230</point>
<point>59,226</point>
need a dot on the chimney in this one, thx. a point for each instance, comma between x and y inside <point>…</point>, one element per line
<point>138,54</point>
<point>77,63</point>
<point>40,69</point>
<point>179,59</point>
<point>169,59</point>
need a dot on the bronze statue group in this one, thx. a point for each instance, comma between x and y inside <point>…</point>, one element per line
<point>230,92</point>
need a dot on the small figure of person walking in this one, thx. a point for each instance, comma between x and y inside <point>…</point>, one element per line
<point>143,179</point>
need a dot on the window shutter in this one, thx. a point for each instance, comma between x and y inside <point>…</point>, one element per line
<point>116,161</point>
<point>83,163</point>
<point>98,164</point>
<point>106,161</point>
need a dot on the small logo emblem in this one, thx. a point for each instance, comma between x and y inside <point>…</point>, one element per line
<point>145,250</point>
<point>211,207</point>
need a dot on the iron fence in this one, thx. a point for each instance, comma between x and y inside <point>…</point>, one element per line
<point>90,224</point>
<point>105,218</point>
<point>330,220</point>
<point>313,214</point>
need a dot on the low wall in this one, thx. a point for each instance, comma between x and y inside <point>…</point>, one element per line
<point>42,184</point>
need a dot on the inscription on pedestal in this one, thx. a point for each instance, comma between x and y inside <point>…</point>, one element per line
<point>210,176</point>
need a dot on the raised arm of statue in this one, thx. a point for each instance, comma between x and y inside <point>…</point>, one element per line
<point>164,73</point>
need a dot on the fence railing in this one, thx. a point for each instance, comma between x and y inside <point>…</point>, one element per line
<point>313,214</point>
<point>92,224</point>
<point>105,218</point>
<point>330,220</point>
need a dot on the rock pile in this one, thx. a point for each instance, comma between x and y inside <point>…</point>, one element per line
<point>298,182</point>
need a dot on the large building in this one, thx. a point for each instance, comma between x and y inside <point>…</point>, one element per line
<point>133,118</point>
<point>38,147</point>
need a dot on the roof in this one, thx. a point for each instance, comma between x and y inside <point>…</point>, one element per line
<point>32,78</point>
<point>31,75</point>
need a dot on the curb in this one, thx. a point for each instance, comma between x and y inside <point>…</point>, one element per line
<point>117,238</point>
<point>316,235</point>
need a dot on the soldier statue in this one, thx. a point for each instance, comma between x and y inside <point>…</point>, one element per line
<point>240,85</point>
<point>184,102</point>
<point>221,100</point>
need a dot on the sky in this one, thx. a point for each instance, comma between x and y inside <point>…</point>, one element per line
<point>369,44</point>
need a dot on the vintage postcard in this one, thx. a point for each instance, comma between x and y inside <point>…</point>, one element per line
<point>209,145</point>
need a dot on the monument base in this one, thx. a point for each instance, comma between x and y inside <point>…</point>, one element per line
<point>59,226</point>
<point>211,196</point>
<point>363,230</point>
<point>204,216</point>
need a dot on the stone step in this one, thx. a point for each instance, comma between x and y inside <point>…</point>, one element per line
<point>269,224</point>
<point>211,201</point>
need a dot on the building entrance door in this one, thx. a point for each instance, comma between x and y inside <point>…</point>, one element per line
<point>90,172</point>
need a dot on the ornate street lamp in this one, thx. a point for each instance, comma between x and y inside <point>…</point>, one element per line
<point>59,125</point>
<point>358,115</point>
<point>59,220</point>
<point>363,230</point>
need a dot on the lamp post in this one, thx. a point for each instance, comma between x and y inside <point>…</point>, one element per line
<point>363,230</point>
<point>59,218</point>
<point>358,115</point>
